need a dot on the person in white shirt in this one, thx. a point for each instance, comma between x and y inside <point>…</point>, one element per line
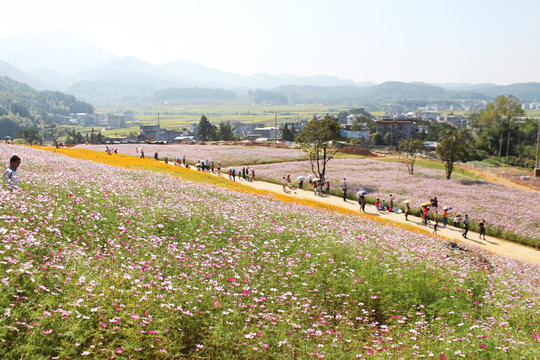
<point>10,175</point>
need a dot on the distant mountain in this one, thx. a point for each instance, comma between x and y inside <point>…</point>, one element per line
<point>321,94</point>
<point>53,79</point>
<point>12,72</point>
<point>56,61</point>
<point>131,71</point>
<point>54,50</point>
<point>207,77</point>
<point>526,92</point>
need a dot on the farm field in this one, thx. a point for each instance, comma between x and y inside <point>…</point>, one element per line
<point>464,192</point>
<point>226,155</point>
<point>146,260</point>
<point>179,116</point>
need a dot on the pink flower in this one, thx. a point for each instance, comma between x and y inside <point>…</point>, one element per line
<point>47,332</point>
<point>119,351</point>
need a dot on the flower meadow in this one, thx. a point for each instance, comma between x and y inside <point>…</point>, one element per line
<point>510,213</point>
<point>102,261</point>
<point>227,155</point>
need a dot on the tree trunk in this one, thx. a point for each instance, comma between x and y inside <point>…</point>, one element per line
<point>449,166</point>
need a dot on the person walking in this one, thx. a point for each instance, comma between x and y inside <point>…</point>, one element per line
<point>465,226</point>
<point>424,214</point>
<point>445,217</point>
<point>482,226</point>
<point>10,177</point>
<point>327,187</point>
<point>436,225</point>
<point>407,210</point>
<point>364,202</point>
<point>344,190</point>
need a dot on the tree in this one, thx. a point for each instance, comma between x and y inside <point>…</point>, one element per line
<point>74,137</point>
<point>378,139</point>
<point>454,147</point>
<point>496,122</point>
<point>320,139</point>
<point>30,136</point>
<point>206,131</point>
<point>286,133</point>
<point>410,148</point>
<point>388,139</point>
<point>225,131</point>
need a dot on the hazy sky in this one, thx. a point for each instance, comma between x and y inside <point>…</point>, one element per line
<point>475,41</point>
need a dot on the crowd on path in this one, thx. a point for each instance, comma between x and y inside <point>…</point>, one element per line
<point>320,188</point>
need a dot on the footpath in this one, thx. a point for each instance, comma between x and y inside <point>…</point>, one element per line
<point>492,244</point>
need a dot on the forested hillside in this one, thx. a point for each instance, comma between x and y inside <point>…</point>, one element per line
<point>21,106</point>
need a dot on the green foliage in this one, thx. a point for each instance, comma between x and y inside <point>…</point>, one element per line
<point>225,131</point>
<point>74,137</point>
<point>268,97</point>
<point>410,148</point>
<point>388,139</point>
<point>286,133</point>
<point>29,108</point>
<point>378,139</point>
<point>206,131</point>
<point>30,136</point>
<point>320,139</point>
<point>496,125</point>
<point>8,126</point>
<point>454,147</point>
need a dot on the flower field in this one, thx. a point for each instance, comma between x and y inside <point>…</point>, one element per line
<point>131,261</point>
<point>227,155</point>
<point>509,212</point>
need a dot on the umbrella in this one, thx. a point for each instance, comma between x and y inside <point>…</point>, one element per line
<point>316,179</point>
<point>406,201</point>
<point>301,178</point>
<point>427,203</point>
<point>361,192</point>
<point>447,208</point>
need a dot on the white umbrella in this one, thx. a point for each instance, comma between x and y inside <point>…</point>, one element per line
<point>301,178</point>
<point>361,192</point>
<point>447,208</point>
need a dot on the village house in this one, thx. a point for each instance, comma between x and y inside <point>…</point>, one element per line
<point>400,129</point>
<point>156,133</point>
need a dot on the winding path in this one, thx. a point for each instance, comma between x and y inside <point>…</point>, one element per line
<point>492,244</point>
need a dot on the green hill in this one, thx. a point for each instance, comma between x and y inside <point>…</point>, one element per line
<point>21,106</point>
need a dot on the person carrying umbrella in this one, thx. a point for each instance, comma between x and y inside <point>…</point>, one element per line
<point>361,196</point>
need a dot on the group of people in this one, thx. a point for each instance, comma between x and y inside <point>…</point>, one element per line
<point>245,173</point>
<point>320,187</point>
<point>387,206</point>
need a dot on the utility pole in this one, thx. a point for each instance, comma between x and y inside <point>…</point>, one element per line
<point>275,127</point>
<point>537,169</point>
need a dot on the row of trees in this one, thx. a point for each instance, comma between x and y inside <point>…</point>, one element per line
<point>500,129</point>
<point>206,131</point>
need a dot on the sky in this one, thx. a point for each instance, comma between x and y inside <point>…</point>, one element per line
<point>434,41</point>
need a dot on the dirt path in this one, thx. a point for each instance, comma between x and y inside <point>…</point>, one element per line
<point>492,244</point>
